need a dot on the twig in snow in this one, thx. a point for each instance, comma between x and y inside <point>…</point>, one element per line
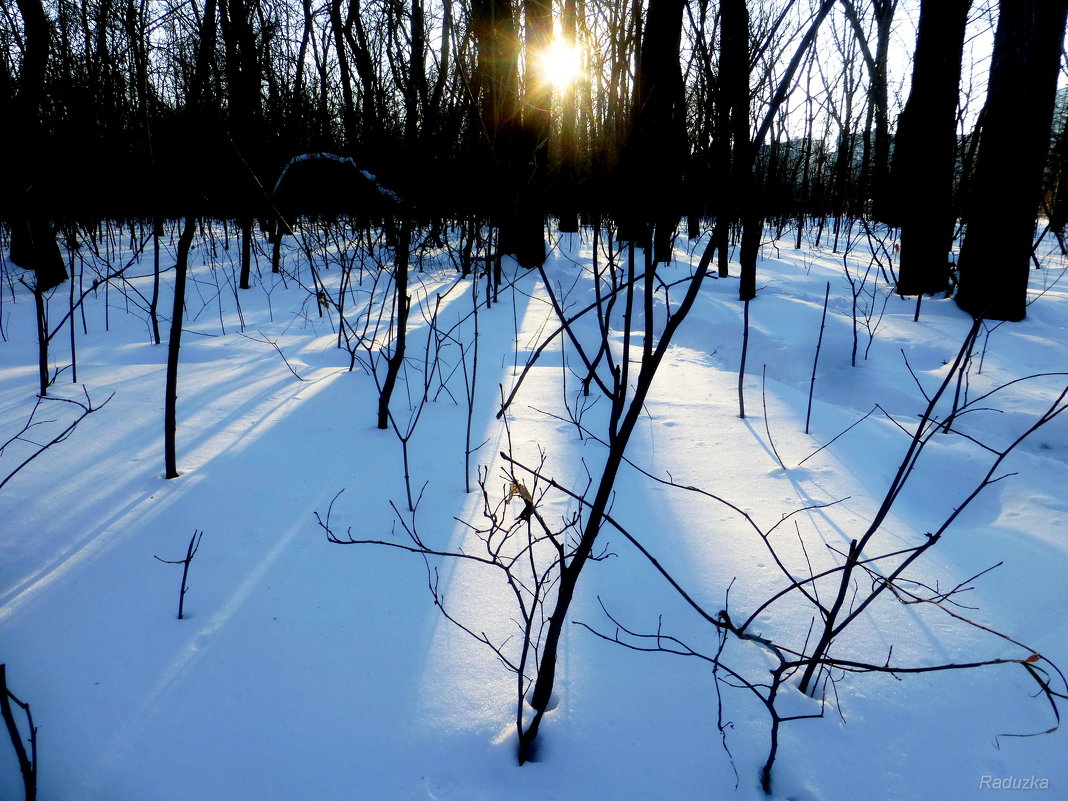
<point>767,425</point>
<point>274,344</point>
<point>839,434</point>
<point>816,359</point>
<point>87,409</point>
<point>190,552</point>
<point>741,366</point>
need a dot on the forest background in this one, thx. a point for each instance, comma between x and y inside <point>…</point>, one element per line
<point>509,112</point>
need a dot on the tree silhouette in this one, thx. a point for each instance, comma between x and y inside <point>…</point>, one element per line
<point>1013,142</point>
<point>920,197</point>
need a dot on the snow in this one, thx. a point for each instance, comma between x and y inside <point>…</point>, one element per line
<point>306,669</point>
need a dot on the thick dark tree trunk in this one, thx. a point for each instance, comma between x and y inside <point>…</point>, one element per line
<point>734,122</point>
<point>567,183</point>
<point>27,760</point>
<point>920,192</point>
<point>42,341</point>
<point>529,159</point>
<point>880,158</point>
<point>401,306</point>
<point>245,226</point>
<point>516,213</point>
<point>170,405</point>
<point>196,104</point>
<point>721,239</point>
<point>202,70</point>
<point>537,92</point>
<point>153,305</point>
<point>655,155</point>
<point>33,242</point>
<point>244,75</point>
<point>748,252</point>
<point>1014,140</point>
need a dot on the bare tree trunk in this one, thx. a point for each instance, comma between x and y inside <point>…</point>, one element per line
<point>880,167</point>
<point>209,31</point>
<point>244,102</point>
<point>41,309</point>
<point>401,304</point>
<point>33,242</point>
<point>920,191</point>
<point>153,304</point>
<point>370,126</point>
<point>518,218</point>
<point>245,227</point>
<point>170,409</point>
<point>1014,140</point>
<point>416,90</point>
<point>734,123</point>
<point>568,158</point>
<point>625,415</point>
<point>530,155</point>
<point>27,761</point>
<point>752,218</point>
<point>875,173</point>
<point>444,62</point>
<point>655,154</point>
<point>348,107</point>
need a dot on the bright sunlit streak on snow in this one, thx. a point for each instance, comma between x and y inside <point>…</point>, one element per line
<point>560,64</point>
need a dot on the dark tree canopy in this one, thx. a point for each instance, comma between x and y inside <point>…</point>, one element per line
<point>733,113</point>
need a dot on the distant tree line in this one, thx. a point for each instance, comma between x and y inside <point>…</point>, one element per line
<point>684,111</point>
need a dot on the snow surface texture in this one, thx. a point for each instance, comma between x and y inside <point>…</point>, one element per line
<point>308,670</point>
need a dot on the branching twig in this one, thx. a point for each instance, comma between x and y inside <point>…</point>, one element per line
<point>87,409</point>
<point>278,350</point>
<point>190,552</point>
<point>27,761</point>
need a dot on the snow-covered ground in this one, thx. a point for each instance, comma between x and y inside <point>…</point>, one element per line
<point>310,670</point>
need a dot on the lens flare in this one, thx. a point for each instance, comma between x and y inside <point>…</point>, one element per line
<point>560,64</point>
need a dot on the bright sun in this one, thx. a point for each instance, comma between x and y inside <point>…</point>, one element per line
<point>560,64</point>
